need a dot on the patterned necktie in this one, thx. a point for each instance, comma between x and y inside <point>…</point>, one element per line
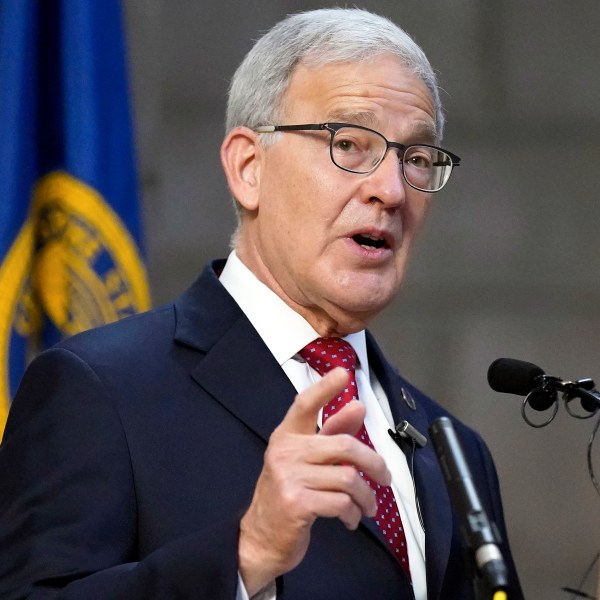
<point>323,355</point>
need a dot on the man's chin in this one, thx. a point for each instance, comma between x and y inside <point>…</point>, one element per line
<point>363,306</point>
<point>367,293</point>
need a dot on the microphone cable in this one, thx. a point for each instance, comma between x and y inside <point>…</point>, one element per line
<point>576,592</point>
<point>405,432</point>
<point>590,463</point>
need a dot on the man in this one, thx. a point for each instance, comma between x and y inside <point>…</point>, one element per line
<point>195,451</point>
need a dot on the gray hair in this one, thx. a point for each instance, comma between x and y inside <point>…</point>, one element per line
<point>317,38</point>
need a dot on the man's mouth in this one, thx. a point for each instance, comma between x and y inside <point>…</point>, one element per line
<point>369,242</point>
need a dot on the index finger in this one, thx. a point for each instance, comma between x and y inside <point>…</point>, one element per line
<point>302,415</point>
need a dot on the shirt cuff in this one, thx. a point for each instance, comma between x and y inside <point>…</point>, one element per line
<point>269,592</point>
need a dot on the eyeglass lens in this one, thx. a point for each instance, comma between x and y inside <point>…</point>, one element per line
<point>361,150</point>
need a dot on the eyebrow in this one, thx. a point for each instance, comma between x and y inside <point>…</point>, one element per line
<point>422,131</point>
<point>366,119</point>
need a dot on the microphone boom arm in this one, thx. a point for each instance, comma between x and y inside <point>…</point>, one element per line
<point>583,389</point>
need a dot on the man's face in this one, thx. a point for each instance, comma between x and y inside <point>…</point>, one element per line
<point>309,237</point>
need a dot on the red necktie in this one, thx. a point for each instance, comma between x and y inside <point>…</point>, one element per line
<point>323,355</point>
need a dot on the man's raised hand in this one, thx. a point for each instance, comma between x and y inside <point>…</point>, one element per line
<point>307,475</point>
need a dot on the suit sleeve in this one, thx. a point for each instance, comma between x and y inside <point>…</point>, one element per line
<point>68,502</point>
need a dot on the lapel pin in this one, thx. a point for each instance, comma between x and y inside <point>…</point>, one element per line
<point>410,401</point>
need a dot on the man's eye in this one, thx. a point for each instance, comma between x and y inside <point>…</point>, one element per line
<point>345,145</point>
<point>420,161</point>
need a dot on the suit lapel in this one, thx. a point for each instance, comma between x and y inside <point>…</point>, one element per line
<point>255,389</point>
<point>431,488</point>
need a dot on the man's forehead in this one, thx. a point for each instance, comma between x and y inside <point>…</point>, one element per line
<point>381,93</point>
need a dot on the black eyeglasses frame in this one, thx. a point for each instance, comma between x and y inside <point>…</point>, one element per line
<point>333,128</point>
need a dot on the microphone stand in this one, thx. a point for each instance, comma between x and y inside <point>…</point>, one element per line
<point>484,559</point>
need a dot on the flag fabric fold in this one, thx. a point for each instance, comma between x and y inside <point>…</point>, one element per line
<point>70,230</point>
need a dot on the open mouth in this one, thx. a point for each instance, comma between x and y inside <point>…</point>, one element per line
<point>369,242</point>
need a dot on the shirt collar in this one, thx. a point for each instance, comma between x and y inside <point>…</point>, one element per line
<point>271,316</point>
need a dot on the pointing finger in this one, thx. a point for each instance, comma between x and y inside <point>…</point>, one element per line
<point>302,414</point>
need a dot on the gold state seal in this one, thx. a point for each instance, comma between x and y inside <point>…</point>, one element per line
<point>73,262</point>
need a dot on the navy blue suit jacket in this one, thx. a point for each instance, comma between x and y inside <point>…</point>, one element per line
<point>132,451</point>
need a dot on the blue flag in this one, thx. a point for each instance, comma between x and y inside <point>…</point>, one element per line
<point>69,216</point>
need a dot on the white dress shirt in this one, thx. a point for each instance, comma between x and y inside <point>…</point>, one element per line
<point>285,333</point>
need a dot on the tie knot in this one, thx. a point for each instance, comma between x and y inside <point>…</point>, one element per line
<point>324,354</point>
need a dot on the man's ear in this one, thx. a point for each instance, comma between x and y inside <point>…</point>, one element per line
<point>241,157</point>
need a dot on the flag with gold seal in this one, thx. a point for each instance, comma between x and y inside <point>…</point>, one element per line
<point>70,231</point>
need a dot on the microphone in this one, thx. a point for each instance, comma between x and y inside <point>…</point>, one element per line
<point>512,376</point>
<point>404,430</point>
<point>477,531</point>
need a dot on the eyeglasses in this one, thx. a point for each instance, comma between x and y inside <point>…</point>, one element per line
<point>361,150</point>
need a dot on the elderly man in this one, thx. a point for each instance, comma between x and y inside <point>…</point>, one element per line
<point>214,448</point>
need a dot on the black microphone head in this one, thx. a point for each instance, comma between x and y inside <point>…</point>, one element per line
<point>512,376</point>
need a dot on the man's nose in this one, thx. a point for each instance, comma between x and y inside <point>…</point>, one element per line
<point>386,183</point>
